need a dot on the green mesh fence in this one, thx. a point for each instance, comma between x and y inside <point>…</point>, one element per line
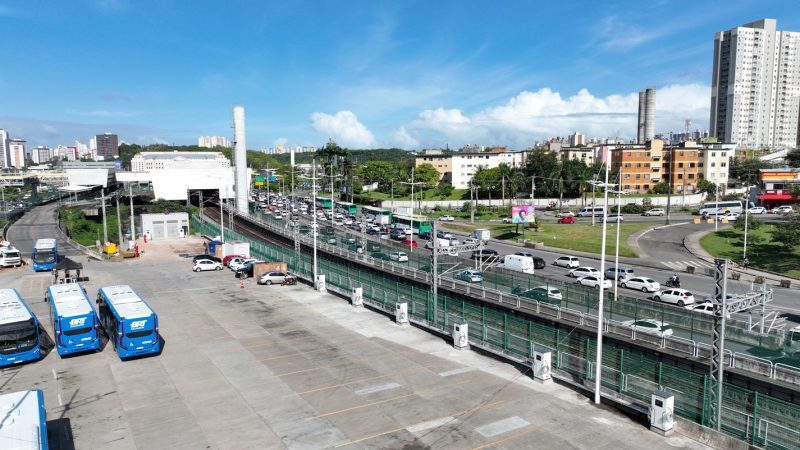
<point>757,418</point>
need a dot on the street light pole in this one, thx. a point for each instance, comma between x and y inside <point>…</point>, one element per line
<point>598,365</point>
<point>411,240</point>
<point>314,223</point>
<point>594,183</point>
<point>669,185</point>
<point>746,220</point>
<point>616,249</point>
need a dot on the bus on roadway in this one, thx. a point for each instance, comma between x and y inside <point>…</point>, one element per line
<point>130,323</point>
<point>347,208</point>
<point>19,330</point>
<point>734,206</point>
<point>420,224</point>
<point>45,254</point>
<point>322,202</point>
<point>75,325</point>
<point>24,421</point>
<point>378,215</point>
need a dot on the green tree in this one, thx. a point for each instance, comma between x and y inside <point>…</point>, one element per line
<point>706,186</point>
<point>444,190</point>
<point>747,170</point>
<point>793,158</point>
<point>787,232</point>
<point>544,165</point>
<point>752,223</point>
<point>381,172</point>
<point>427,174</point>
<point>660,188</point>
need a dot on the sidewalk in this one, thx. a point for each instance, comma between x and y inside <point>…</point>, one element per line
<point>692,244</point>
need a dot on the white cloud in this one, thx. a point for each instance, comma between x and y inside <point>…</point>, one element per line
<point>344,127</point>
<point>402,139</point>
<point>532,116</point>
<point>280,141</point>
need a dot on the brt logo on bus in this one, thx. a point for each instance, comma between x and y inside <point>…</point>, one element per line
<point>138,324</point>
<point>77,322</point>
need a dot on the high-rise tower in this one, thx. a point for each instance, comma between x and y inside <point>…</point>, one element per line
<point>646,125</point>
<point>755,86</point>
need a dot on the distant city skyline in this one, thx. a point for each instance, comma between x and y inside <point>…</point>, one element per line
<point>367,74</point>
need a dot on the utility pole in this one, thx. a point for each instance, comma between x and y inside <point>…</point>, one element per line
<point>669,184</point>
<point>391,205</point>
<point>503,181</point>
<point>119,222</point>
<point>133,223</point>
<point>221,217</point>
<point>599,364</point>
<point>533,191</point>
<point>746,220</point>
<point>105,223</point>
<point>472,200</point>
<point>594,183</point>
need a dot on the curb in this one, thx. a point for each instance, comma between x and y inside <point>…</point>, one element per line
<point>692,244</point>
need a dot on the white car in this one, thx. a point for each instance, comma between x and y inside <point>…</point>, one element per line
<point>583,271</point>
<point>508,220</point>
<point>446,219</point>
<point>239,263</point>
<point>641,284</point>
<point>705,308</point>
<point>614,218</point>
<point>757,210</point>
<point>729,216</point>
<point>206,264</point>
<point>785,209</point>
<point>650,326</point>
<point>565,214</point>
<point>348,221</point>
<point>398,256</point>
<point>594,281</point>
<point>655,212</point>
<point>570,262</point>
<point>680,297</point>
<point>552,293</point>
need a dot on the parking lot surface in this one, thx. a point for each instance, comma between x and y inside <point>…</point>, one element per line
<point>249,366</point>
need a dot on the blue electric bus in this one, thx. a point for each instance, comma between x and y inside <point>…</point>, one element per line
<point>45,254</point>
<point>24,421</point>
<point>75,325</point>
<point>19,330</point>
<point>130,323</point>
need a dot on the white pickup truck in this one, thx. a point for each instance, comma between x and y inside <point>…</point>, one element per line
<point>9,255</point>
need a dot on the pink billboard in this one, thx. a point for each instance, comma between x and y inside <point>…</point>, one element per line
<point>522,214</point>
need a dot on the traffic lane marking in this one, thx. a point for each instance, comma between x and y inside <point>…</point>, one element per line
<point>424,422</point>
<point>387,400</point>
<point>516,436</point>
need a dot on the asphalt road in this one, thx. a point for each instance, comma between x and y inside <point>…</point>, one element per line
<point>38,223</point>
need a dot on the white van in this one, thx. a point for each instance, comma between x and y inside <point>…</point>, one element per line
<point>589,211</point>
<point>9,256</point>
<point>481,234</point>
<point>517,263</point>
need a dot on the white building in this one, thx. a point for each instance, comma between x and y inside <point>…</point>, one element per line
<point>152,161</point>
<point>41,155</point>
<point>715,161</point>
<point>577,139</point>
<point>458,168</point>
<point>755,86</point>
<point>17,153</point>
<point>5,157</point>
<point>213,141</point>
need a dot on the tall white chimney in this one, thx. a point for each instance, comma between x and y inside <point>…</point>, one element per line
<point>240,159</point>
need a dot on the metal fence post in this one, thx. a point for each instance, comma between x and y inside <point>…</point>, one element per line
<point>755,419</point>
<point>505,331</point>
<point>660,366</point>
<point>483,322</point>
<point>621,374</point>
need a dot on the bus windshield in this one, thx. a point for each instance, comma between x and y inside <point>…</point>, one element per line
<point>44,256</point>
<point>17,337</point>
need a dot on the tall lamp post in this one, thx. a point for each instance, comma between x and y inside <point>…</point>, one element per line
<point>601,291</point>
<point>746,220</point>
<point>412,184</point>
<point>314,179</point>
<point>619,225</point>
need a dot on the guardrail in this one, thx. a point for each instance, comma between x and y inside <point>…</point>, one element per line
<point>628,374</point>
<point>689,347</point>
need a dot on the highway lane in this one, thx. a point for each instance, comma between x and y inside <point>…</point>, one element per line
<point>699,284</point>
<point>38,223</point>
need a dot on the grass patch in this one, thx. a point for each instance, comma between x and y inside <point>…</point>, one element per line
<point>764,254</point>
<point>578,237</point>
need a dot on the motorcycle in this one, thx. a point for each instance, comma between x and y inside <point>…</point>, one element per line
<point>289,281</point>
<point>673,283</point>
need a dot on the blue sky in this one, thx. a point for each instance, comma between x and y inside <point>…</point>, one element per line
<point>413,74</point>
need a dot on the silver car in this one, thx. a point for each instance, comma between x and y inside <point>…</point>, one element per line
<point>274,277</point>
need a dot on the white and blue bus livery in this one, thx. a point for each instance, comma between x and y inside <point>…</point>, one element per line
<point>45,254</point>
<point>75,324</point>
<point>19,330</point>
<point>131,325</point>
<point>734,206</point>
<point>24,421</point>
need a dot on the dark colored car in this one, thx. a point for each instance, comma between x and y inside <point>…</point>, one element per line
<point>327,230</point>
<point>245,271</point>
<point>538,263</point>
<point>426,235</point>
<point>398,234</point>
<point>211,257</point>
<point>484,254</point>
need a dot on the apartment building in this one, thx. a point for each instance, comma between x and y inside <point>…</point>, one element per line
<point>150,161</point>
<point>585,154</point>
<point>681,167</point>
<point>458,168</point>
<point>640,165</point>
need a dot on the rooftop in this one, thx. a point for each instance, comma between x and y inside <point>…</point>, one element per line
<point>11,307</point>
<point>179,155</point>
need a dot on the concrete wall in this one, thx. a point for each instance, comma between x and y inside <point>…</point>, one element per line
<point>678,200</point>
<point>165,226</point>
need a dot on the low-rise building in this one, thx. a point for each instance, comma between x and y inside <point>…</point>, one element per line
<point>639,165</point>
<point>458,168</point>
<point>150,161</point>
<point>776,186</point>
<point>585,154</point>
